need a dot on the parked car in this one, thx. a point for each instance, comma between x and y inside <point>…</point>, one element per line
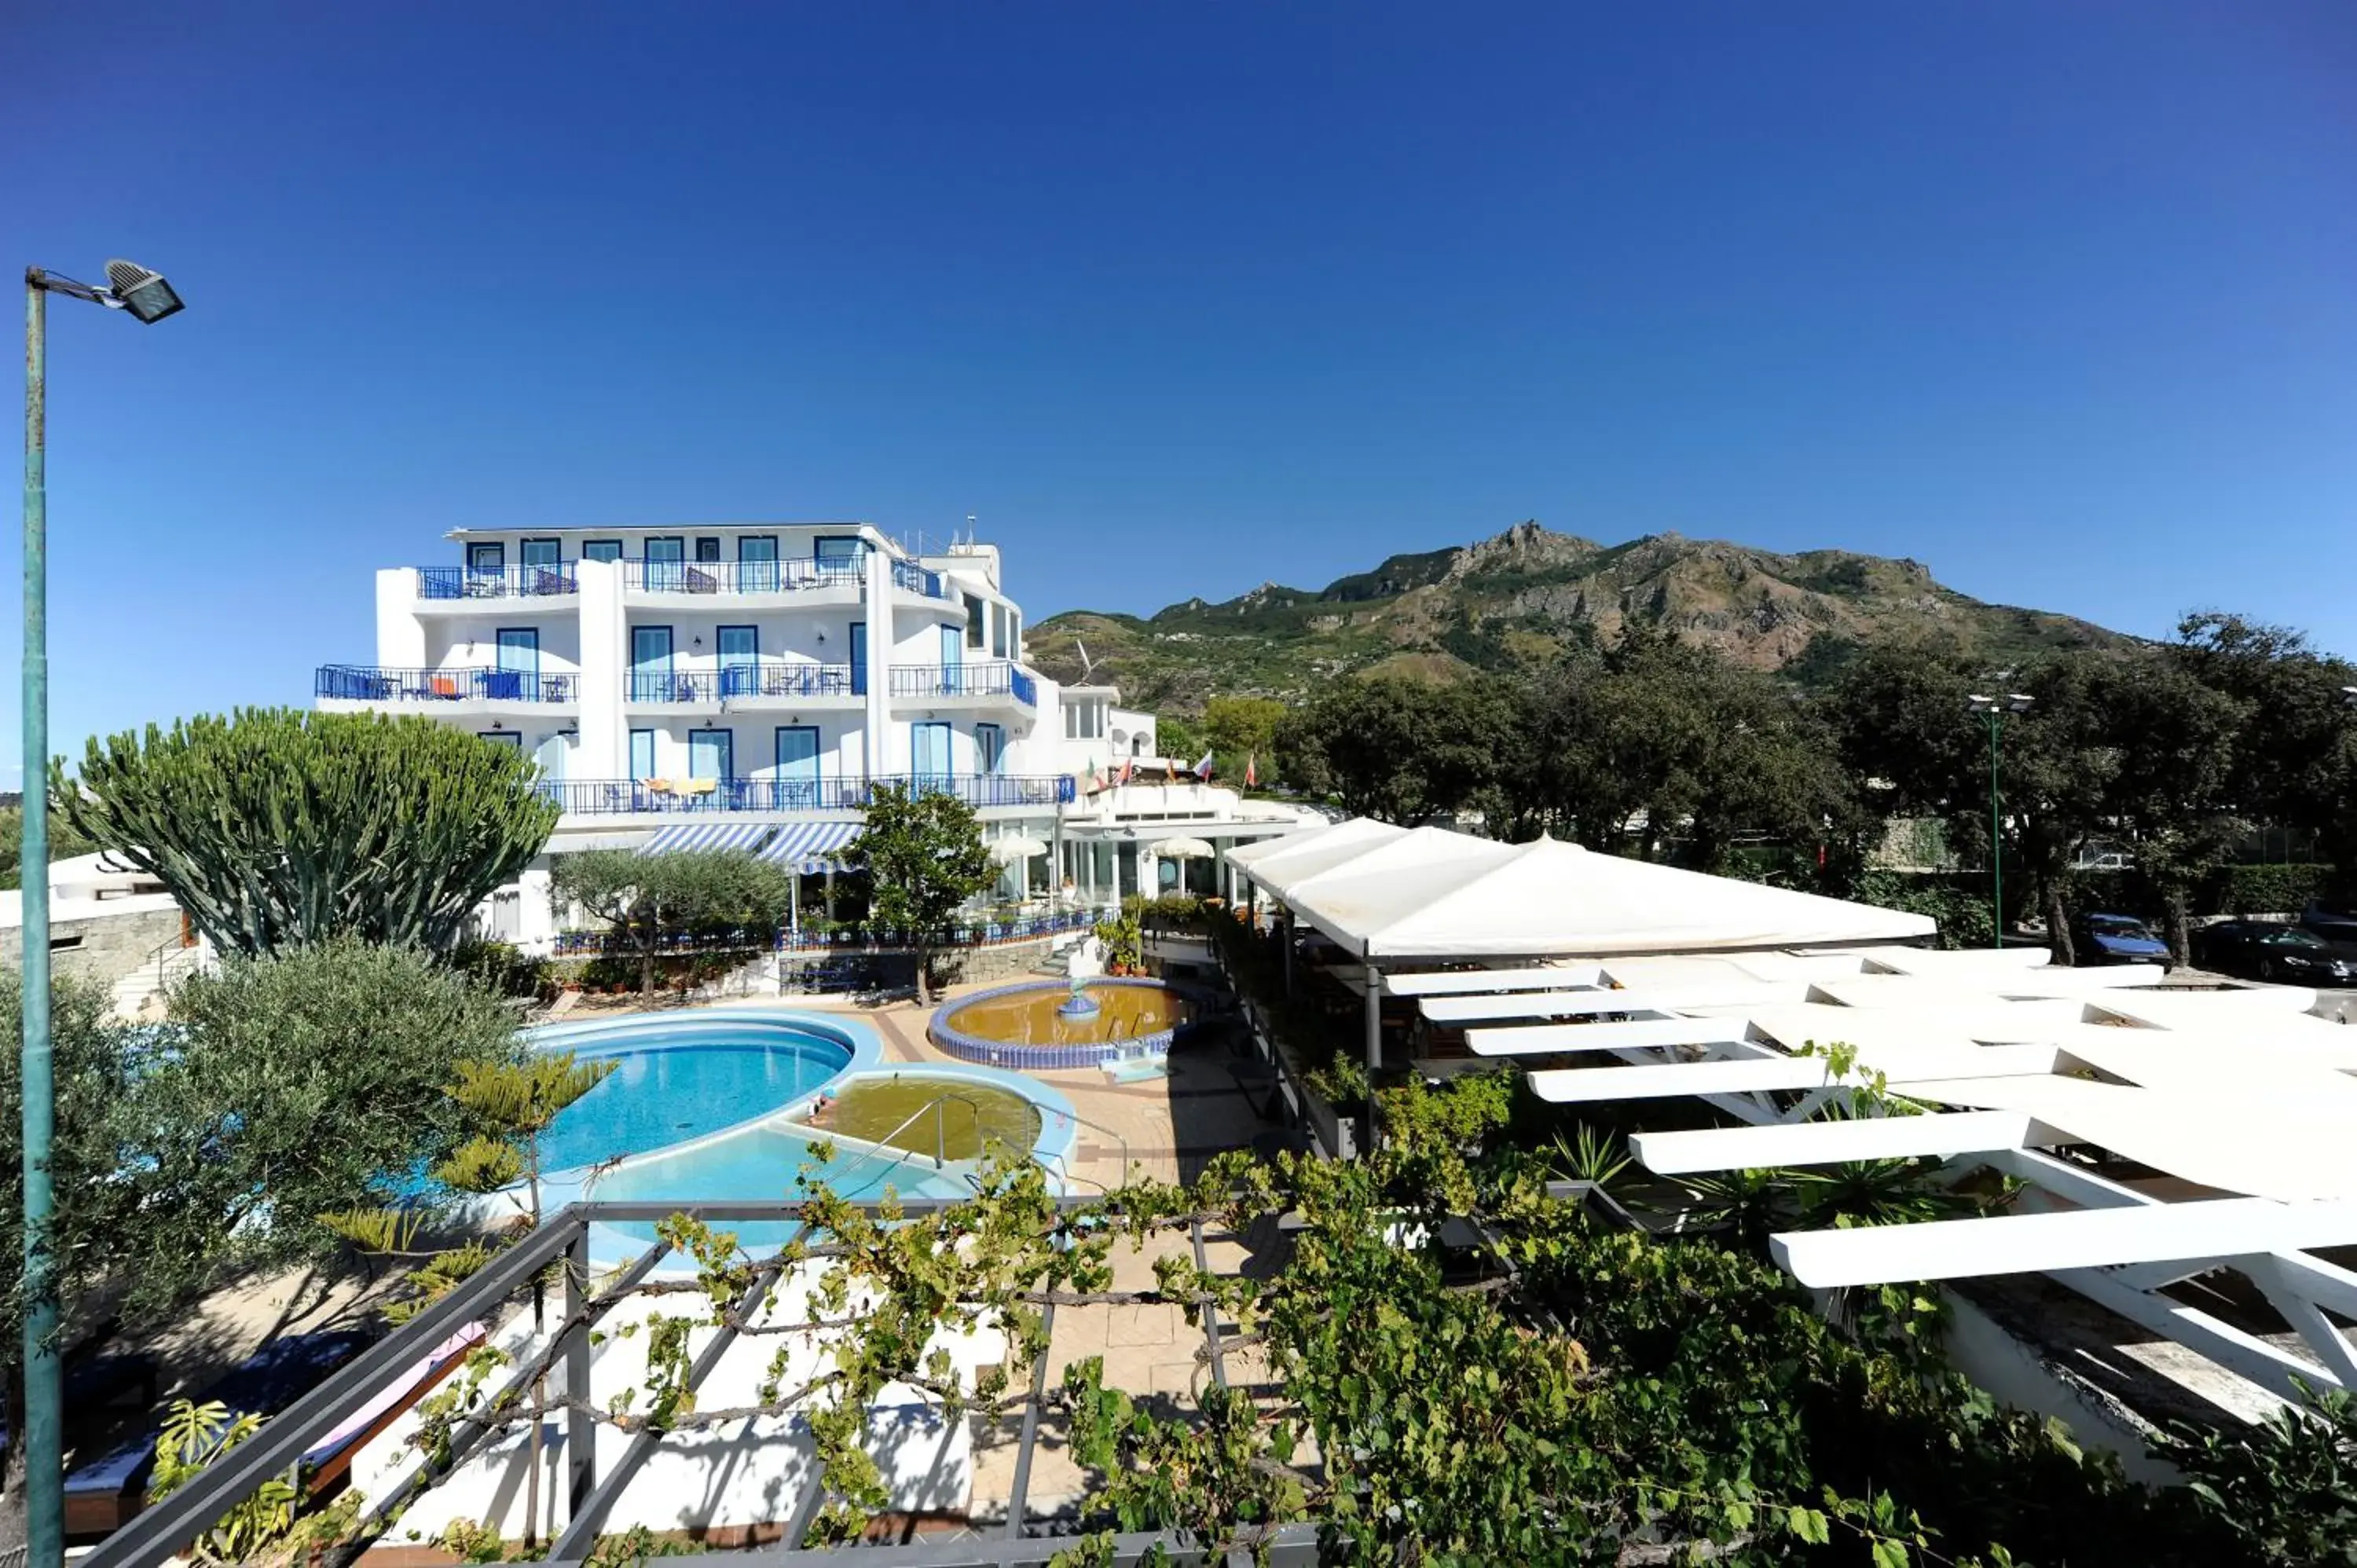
<point>2335,925</point>
<point>2116,938</point>
<point>2265,950</point>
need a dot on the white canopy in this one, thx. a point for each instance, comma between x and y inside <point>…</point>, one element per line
<point>1387,892</point>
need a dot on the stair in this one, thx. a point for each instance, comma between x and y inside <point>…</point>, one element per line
<point>138,994</point>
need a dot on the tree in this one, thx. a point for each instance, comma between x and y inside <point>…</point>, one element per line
<point>1400,749</point>
<point>64,844</point>
<point>1243,729</point>
<point>279,1089</point>
<point>2296,756</point>
<point>644,897</point>
<point>924,858</point>
<point>2180,744</point>
<point>275,828</point>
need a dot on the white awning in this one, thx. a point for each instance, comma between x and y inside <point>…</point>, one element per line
<point>704,835</point>
<point>812,846</point>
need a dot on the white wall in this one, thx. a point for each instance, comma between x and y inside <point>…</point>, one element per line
<point>603,649</point>
<point>400,635</point>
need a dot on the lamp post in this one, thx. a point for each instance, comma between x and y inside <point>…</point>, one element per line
<point>147,298</point>
<point>1993,710</point>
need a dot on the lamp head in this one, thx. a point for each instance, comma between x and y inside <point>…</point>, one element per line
<point>2349,697</point>
<point>1977,704</point>
<point>142,292</point>
<point>2018,702</point>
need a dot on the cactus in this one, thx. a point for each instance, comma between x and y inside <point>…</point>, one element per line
<point>276,828</point>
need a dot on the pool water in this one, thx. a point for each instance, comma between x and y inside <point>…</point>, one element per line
<point>1027,1015</point>
<point>759,1163</point>
<point>919,1114</point>
<point>658,1096</point>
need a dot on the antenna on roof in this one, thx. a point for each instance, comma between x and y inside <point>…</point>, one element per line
<point>1087,663</point>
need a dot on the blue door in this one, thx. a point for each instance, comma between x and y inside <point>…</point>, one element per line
<point>517,677</point>
<point>989,746</point>
<point>740,660</point>
<point>649,664</point>
<point>952,656</point>
<point>756,564</point>
<point>859,659</point>
<point>712,754</point>
<point>929,755</point>
<point>797,766</point>
<point>665,566</point>
<point>837,556</point>
<point>550,755</point>
<point>642,754</point>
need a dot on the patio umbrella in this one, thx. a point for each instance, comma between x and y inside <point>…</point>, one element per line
<point>1184,849</point>
<point>1021,846</point>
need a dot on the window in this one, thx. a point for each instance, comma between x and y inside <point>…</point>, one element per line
<point>539,552</point>
<point>989,746</point>
<point>507,737</point>
<point>708,551</point>
<point>601,550</point>
<point>649,664</point>
<point>663,568</point>
<point>757,563</point>
<point>740,660</point>
<point>837,554</point>
<point>712,754</point>
<point>952,655</point>
<point>974,611</point>
<point>859,659</point>
<point>929,753</point>
<point>642,754</point>
<point>998,631</point>
<point>796,766</point>
<point>518,675</point>
<point>1013,634</point>
<point>486,557</point>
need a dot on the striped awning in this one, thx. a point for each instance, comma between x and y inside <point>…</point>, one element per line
<point>812,846</point>
<point>704,835</point>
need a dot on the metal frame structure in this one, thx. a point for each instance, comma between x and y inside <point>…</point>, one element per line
<point>1021,1539</point>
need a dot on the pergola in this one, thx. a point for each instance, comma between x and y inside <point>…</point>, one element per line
<point>2239,1106</point>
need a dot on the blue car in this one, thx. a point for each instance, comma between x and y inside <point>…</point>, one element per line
<point>2116,938</point>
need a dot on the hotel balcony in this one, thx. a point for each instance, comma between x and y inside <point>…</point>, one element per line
<point>640,797</point>
<point>752,684</point>
<point>830,581</point>
<point>450,587</point>
<point>375,687</point>
<point>946,683</point>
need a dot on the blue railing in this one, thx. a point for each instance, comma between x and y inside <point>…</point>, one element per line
<point>740,576</point>
<point>738,680</point>
<point>1026,690</point>
<point>496,581</point>
<point>977,934</point>
<point>368,683</point>
<point>996,679</point>
<point>916,580</point>
<point>625,796</point>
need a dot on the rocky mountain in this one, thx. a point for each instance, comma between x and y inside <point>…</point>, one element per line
<point>1521,597</point>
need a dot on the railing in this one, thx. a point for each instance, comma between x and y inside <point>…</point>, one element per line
<point>995,678</point>
<point>776,680</point>
<point>981,933</point>
<point>740,576</point>
<point>618,797</point>
<point>916,580</point>
<point>369,683</point>
<point>496,581</point>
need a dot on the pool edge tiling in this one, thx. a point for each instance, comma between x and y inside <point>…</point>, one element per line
<point>1015,1058</point>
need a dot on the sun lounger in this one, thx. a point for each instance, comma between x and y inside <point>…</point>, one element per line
<point>327,1462</point>
<point>102,1494</point>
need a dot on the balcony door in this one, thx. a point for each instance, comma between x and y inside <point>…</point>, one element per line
<point>712,754</point>
<point>952,655</point>
<point>517,677</point>
<point>539,552</point>
<point>642,755</point>
<point>989,747</point>
<point>649,664</point>
<point>740,660</point>
<point>550,755</point>
<point>757,563</point>
<point>859,659</point>
<point>665,567</point>
<point>797,766</point>
<point>929,756</point>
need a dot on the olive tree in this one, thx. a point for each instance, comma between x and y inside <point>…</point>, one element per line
<point>644,896</point>
<point>924,857</point>
<point>276,828</point>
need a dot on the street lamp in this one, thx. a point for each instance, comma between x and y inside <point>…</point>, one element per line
<point>1993,710</point>
<point>146,298</point>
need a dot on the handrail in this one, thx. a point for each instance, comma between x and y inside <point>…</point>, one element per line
<point>497,581</point>
<point>383,684</point>
<point>940,1160</point>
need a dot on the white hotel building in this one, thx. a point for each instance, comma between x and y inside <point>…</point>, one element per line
<point>748,683</point>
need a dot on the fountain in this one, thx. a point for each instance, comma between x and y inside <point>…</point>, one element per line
<point>1087,1019</point>
<point>1085,962</point>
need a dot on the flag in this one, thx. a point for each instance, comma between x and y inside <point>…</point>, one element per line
<point>1251,769</point>
<point>1091,787</point>
<point>1203,769</point>
<point>1128,768</point>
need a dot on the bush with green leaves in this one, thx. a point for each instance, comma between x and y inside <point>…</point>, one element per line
<point>276,828</point>
<point>924,859</point>
<point>647,899</point>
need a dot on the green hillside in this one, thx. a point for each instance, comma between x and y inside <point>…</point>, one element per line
<point>1520,598</point>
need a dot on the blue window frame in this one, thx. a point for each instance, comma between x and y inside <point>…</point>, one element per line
<point>517,675</point>
<point>487,555</point>
<point>838,554</point>
<point>649,664</point>
<point>550,755</point>
<point>642,754</point>
<point>989,746</point>
<point>663,562</point>
<point>953,648</point>
<point>929,753</point>
<point>707,549</point>
<point>798,775</point>
<point>601,550</point>
<point>506,737</point>
<point>859,659</point>
<point>712,754</point>
<point>540,552</point>
<point>757,563</point>
<point>740,660</point>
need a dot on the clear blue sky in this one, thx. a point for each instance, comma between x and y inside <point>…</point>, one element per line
<point>2058,298</point>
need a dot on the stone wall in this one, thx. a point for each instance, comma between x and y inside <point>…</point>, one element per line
<point>102,948</point>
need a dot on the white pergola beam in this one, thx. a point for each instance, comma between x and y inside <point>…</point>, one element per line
<point>1544,1040</point>
<point>2043,1243</point>
<point>1462,983</point>
<point>1662,1080</point>
<point>1575,1004</point>
<point>1941,1136</point>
